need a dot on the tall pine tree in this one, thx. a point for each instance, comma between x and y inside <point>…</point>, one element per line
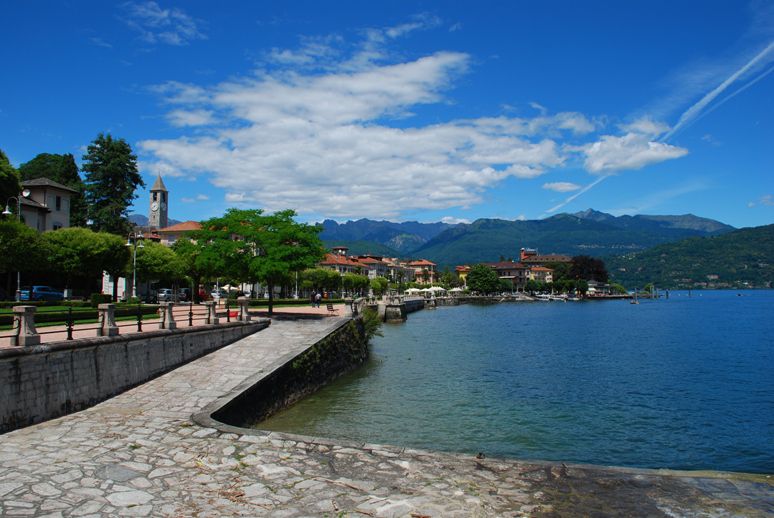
<point>111,180</point>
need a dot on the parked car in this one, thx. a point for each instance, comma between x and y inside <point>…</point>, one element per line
<point>184,294</point>
<point>218,294</point>
<point>165,295</point>
<point>40,293</point>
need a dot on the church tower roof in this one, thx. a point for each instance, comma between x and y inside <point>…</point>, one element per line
<point>158,185</point>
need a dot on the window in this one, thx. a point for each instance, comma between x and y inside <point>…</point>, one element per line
<point>57,226</point>
<point>58,203</point>
<point>155,196</point>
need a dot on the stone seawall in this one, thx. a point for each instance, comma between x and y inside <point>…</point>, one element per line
<point>340,351</point>
<point>46,381</point>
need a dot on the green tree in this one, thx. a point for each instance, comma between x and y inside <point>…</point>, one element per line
<point>156,262</point>
<point>321,279</point>
<point>79,253</point>
<point>355,283</point>
<point>582,287</point>
<point>20,251</point>
<point>196,263</point>
<point>259,247</point>
<point>61,169</point>
<point>617,288</point>
<point>532,286</point>
<point>483,279</point>
<point>288,247</point>
<point>9,181</point>
<point>379,285</point>
<point>111,180</point>
<point>449,279</point>
<point>588,268</point>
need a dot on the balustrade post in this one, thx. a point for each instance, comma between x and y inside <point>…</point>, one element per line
<point>107,320</point>
<point>212,316</point>
<point>167,317</point>
<point>24,322</point>
<point>244,314</point>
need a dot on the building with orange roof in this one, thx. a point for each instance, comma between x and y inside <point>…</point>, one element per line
<point>424,271</point>
<point>168,235</point>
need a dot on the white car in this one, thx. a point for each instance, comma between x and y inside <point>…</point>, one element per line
<point>219,294</point>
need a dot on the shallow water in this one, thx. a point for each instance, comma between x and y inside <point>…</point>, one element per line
<point>684,383</point>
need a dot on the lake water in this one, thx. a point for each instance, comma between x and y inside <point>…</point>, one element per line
<point>683,383</point>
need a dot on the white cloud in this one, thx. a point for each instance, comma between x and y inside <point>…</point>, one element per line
<point>190,117</point>
<point>630,151</point>
<point>199,197</point>
<point>645,126</point>
<point>765,200</point>
<point>156,25</point>
<point>451,220</point>
<point>319,135</point>
<point>320,143</point>
<point>561,186</point>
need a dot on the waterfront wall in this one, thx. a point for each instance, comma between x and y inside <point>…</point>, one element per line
<point>344,348</point>
<point>41,382</point>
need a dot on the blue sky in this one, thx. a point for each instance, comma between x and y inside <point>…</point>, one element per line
<point>408,110</point>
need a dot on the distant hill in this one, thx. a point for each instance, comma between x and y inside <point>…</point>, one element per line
<point>364,247</point>
<point>401,237</point>
<point>142,221</point>
<point>743,258</point>
<point>589,232</point>
<point>642,221</point>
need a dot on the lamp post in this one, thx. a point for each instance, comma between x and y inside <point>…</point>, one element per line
<point>7,212</point>
<point>135,240</point>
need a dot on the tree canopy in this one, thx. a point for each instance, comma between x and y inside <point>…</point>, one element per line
<point>111,180</point>
<point>261,247</point>
<point>80,253</point>
<point>9,181</point>
<point>588,268</point>
<point>61,169</point>
<point>483,279</point>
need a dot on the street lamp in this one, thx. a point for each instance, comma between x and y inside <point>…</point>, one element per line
<point>135,240</point>
<point>7,212</point>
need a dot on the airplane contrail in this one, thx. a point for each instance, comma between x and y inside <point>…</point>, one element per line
<point>575,195</point>
<point>696,109</point>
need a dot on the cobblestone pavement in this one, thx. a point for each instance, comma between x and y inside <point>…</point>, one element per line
<point>140,454</point>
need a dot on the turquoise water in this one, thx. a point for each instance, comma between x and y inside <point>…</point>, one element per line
<point>684,383</point>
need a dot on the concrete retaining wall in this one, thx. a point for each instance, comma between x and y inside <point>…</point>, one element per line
<point>46,381</point>
<point>342,350</point>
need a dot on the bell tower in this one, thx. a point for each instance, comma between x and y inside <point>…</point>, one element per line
<point>157,217</point>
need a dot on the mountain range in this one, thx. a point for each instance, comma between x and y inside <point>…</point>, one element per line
<point>739,259</point>
<point>588,232</point>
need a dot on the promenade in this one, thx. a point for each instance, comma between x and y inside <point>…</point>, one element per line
<point>140,454</point>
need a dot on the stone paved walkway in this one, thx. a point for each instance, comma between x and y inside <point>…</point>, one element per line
<point>140,454</point>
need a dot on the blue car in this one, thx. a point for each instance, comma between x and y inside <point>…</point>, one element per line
<point>40,293</point>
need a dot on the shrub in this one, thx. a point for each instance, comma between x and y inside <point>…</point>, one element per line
<point>371,323</point>
<point>100,298</point>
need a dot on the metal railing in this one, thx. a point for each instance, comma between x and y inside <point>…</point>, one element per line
<point>191,314</point>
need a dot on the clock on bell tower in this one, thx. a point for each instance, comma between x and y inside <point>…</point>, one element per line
<point>157,217</point>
